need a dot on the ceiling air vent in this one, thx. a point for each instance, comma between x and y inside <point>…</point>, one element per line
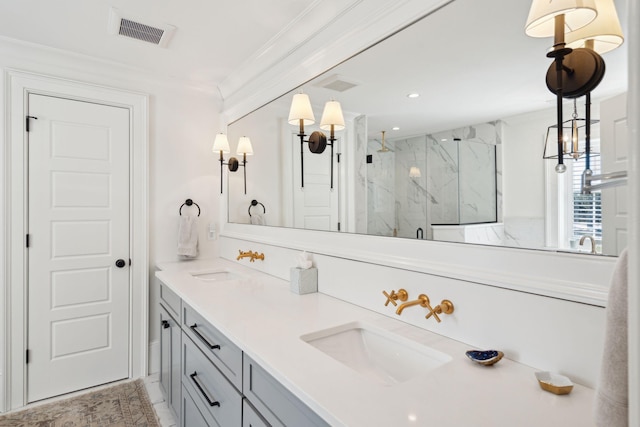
<point>132,28</point>
<point>338,83</point>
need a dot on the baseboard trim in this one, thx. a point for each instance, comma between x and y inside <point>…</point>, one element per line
<point>154,357</point>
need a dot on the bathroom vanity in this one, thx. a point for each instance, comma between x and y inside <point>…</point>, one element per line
<point>272,366</point>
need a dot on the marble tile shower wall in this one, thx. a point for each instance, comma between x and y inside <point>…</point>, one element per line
<point>411,188</point>
<point>360,175</point>
<point>477,182</point>
<point>400,204</point>
<point>381,199</point>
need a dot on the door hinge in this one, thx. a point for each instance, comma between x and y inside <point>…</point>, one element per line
<point>338,226</point>
<point>27,357</point>
<point>27,240</point>
<point>27,121</point>
<point>338,156</point>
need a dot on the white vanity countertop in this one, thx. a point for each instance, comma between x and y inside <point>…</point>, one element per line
<point>260,315</point>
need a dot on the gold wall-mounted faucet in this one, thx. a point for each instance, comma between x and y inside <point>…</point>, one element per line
<point>250,254</point>
<point>401,295</point>
<point>422,300</point>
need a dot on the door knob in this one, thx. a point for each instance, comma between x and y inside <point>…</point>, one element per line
<point>120,263</point>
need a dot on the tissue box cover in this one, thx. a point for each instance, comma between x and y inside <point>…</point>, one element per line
<point>304,281</point>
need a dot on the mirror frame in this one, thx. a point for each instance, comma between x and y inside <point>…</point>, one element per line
<point>575,277</point>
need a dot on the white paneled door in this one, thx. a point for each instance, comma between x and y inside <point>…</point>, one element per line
<point>316,205</point>
<point>614,147</point>
<point>78,245</point>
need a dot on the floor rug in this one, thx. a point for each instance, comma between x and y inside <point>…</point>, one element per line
<point>121,405</point>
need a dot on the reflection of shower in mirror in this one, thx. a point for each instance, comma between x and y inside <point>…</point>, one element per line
<point>384,149</point>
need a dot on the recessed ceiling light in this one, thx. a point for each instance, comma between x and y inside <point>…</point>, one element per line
<point>413,95</point>
<point>395,128</point>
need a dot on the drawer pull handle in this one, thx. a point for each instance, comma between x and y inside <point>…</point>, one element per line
<point>204,393</point>
<point>203,339</point>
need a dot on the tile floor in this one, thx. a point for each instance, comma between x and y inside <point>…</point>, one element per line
<point>166,418</point>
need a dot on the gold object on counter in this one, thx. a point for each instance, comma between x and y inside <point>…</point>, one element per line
<point>394,296</point>
<point>250,254</point>
<point>554,383</point>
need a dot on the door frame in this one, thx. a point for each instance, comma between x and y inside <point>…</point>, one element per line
<point>17,87</point>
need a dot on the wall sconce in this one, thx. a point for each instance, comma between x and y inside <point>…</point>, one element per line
<point>332,120</point>
<point>301,114</point>
<point>244,148</point>
<point>221,145</point>
<point>586,39</point>
<point>414,172</point>
<point>602,35</point>
<point>574,72</point>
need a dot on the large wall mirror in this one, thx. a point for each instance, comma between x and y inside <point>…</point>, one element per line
<point>445,128</point>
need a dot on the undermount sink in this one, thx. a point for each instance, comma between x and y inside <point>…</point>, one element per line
<point>377,354</point>
<point>218,275</point>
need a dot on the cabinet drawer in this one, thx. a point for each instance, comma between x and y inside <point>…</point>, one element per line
<point>171,301</point>
<point>210,390</point>
<point>222,352</point>
<point>191,415</point>
<point>276,404</point>
<point>251,418</point>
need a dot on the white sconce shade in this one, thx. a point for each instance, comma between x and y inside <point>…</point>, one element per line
<point>221,143</point>
<point>332,115</point>
<point>244,146</point>
<point>605,30</point>
<point>541,20</point>
<point>414,172</point>
<point>301,110</point>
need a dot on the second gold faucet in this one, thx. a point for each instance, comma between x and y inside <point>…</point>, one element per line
<point>250,254</point>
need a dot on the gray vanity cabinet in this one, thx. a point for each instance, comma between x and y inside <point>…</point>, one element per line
<point>276,404</point>
<point>250,417</point>
<point>170,340</point>
<point>191,415</point>
<point>214,396</point>
<point>225,355</point>
<point>208,381</point>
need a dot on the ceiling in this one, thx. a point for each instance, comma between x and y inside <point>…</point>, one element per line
<point>470,61</point>
<point>212,38</point>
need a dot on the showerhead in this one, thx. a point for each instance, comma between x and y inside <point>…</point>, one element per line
<point>384,149</point>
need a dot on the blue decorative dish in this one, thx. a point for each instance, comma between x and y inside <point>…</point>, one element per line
<point>485,357</point>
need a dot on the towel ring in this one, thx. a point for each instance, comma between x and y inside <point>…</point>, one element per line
<point>255,203</point>
<point>189,202</point>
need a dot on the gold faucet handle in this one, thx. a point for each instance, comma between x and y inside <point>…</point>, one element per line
<point>260,256</point>
<point>401,295</point>
<point>445,307</point>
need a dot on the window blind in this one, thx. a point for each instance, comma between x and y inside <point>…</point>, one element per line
<point>587,208</point>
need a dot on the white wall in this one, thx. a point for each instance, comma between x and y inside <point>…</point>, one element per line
<point>182,126</point>
<point>269,134</point>
<point>545,333</point>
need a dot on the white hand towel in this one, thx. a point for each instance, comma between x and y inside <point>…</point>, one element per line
<point>188,236</point>
<point>612,399</point>
<point>258,219</point>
